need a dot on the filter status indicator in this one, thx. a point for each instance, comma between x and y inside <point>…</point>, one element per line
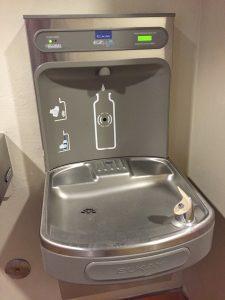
<point>52,41</point>
<point>145,38</point>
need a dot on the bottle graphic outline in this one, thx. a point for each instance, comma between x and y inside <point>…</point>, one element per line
<point>104,122</point>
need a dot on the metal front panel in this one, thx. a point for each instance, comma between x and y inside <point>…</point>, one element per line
<point>101,40</point>
<point>81,122</point>
<point>77,23</point>
<point>137,267</point>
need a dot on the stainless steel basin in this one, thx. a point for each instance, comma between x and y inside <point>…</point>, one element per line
<point>116,207</point>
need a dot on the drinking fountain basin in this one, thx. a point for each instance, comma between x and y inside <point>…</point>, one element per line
<point>122,219</point>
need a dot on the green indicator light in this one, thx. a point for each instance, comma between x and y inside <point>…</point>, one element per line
<point>144,38</point>
<point>50,41</point>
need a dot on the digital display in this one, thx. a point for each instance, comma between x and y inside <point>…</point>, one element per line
<point>103,34</point>
<point>144,38</point>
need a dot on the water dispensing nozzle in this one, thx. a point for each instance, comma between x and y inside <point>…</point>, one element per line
<point>104,71</point>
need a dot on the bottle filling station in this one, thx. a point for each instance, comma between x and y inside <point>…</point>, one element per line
<point>115,207</point>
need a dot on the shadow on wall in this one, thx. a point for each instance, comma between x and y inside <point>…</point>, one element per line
<point>26,123</point>
<point>23,241</point>
<point>206,279</point>
<point>184,62</point>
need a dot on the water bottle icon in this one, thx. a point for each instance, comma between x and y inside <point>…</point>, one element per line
<point>65,145</point>
<point>104,120</point>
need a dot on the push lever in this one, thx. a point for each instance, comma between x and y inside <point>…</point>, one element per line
<point>184,211</point>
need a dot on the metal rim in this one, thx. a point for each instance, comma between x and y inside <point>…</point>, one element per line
<point>148,247</point>
<point>87,16</point>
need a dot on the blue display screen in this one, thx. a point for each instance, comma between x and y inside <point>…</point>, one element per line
<point>103,34</point>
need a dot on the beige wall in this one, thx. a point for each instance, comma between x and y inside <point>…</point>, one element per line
<point>207,147</point>
<point>20,214</point>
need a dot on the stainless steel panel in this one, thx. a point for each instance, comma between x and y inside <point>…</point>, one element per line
<point>35,24</point>
<point>100,40</point>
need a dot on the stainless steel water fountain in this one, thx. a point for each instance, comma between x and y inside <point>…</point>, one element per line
<point>115,208</point>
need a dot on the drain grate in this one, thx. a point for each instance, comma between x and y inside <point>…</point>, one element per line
<point>88,211</point>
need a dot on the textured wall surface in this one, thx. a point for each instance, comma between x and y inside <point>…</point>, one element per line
<point>20,214</point>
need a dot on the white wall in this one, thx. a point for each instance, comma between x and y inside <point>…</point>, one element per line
<point>207,147</point>
<point>20,214</point>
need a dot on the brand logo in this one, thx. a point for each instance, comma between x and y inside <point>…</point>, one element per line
<point>137,268</point>
<point>53,46</point>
